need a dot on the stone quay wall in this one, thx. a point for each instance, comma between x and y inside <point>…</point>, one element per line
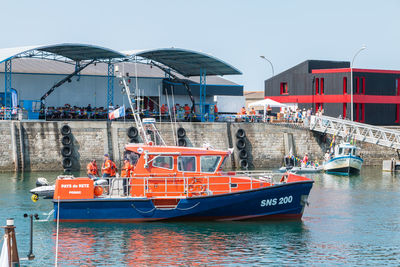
<point>36,145</point>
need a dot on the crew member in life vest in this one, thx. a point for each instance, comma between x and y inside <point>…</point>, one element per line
<point>92,171</point>
<point>126,171</point>
<point>109,169</point>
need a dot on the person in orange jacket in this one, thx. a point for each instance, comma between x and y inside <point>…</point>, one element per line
<point>126,171</point>
<point>243,111</point>
<point>109,169</point>
<point>92,171</point>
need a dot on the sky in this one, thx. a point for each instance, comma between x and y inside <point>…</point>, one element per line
<point>286,32</point>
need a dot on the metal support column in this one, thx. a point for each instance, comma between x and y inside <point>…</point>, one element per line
<point>77,66</point>
<point>7,81</point>
<point>110,85</point>
<point>202,94</point>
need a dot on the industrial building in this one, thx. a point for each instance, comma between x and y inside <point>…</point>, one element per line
<point>159,76</point>
<point>320,84</point>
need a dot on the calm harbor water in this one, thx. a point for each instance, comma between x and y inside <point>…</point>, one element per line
<point>350,221</point>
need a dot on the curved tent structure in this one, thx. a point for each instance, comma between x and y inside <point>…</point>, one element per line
<point>61,52</point>
<point>188,62</point>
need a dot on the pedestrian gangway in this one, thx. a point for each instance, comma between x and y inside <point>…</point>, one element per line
<point>359,131</point>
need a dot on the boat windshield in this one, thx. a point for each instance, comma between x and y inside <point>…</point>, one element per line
<point>209,163</point>
<point>187,164</point>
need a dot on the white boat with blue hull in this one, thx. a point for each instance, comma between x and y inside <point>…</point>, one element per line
<point>346,160</point>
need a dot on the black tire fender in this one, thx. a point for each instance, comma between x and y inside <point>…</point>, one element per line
<point>240,144</point>
<point>67,163</point>
<point>181,132</point>
<point>243,154</point>
<point>132,132</point>
<point>66,140</point>
<point>65,130</point>
<point>241,133</point>
<point>181,142</point>
<point>66,151</point>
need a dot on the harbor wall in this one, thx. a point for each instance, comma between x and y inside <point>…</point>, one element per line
<point>36,145</point>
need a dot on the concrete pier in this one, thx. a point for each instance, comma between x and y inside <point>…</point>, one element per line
<point>37,145</point>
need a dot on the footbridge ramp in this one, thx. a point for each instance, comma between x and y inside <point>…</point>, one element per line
<point>359,131</point>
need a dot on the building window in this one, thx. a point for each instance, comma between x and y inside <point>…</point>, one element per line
<point>357,112</point>
<point>363,85</point>
<point>284,89</point>
<point>317,86</point>
<point>322,86</point>
<point>397,113</point>
<point>344,85</point>
<point>398,86</point>
<point>358,85</point>
<point>362,112</point>
<point>344,110</point>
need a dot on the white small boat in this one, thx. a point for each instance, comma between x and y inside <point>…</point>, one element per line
<point>290,166</point>
<point>304,169</point>
<point>346,160</point>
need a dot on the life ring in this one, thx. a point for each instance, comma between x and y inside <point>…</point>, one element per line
<point>98,190</point>
<point>197,189</point>
<point>244,164</point>
<point>65,130</point>
<point>181,132</point>
<point>241,134</point>
<point>66,140</point>
<point>66,151</point>
<point>243,154</point>
<point>240,144</point>
<point>132,132</point>
<point>67,163</point>
<point>181,142</point>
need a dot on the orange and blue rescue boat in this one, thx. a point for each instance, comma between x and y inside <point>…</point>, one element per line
<point>181,183</point>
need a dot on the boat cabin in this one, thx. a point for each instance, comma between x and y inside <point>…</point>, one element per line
<point>174,160</point>
<point>347,149</point>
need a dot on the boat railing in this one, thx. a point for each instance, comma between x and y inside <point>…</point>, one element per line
<point>184,187</point>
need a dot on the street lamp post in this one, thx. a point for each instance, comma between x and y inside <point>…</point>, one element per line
<point>351,79</point>
<point>272,66</point>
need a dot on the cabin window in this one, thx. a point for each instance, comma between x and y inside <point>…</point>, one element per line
<point>347,151</point>
<point>209,163</point>
<point>187,164</point>
<point>165,162</point>
<point>340,151</point>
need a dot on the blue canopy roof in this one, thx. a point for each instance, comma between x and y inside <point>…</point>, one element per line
<point>74,52</point>
<point>189,63</point>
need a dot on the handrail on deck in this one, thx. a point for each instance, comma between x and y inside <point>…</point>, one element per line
<point>121,186</point>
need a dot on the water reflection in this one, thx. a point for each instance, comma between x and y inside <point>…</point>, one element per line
<point>178,243</point>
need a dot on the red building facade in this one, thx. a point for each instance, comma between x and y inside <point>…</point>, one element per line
<point>326,85</point>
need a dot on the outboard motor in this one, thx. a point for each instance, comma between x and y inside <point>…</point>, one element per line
<point>289,162</point>
<point>41,181</point>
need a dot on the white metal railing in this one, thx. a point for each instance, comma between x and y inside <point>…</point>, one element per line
<point>120,187</point>
<point>359,131</point>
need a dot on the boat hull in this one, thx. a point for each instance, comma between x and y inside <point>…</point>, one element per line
<point>343,165</point>
<point>285,201</point>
